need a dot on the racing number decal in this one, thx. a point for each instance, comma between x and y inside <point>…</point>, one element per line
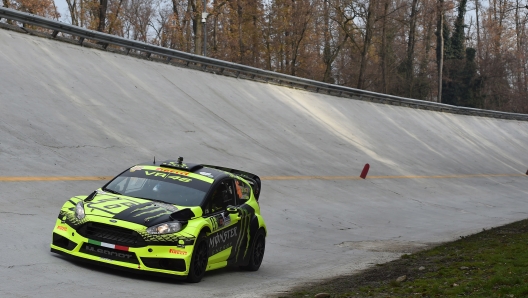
<point>113,206</point>
<point>168,176</point>
<point>113,203</point>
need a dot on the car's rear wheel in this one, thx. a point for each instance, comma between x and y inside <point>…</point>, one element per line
<point>257,252</point>
<point>198,260</point>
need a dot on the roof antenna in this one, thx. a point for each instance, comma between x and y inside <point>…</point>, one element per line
<point>154,160</point>
<point>180,160</point>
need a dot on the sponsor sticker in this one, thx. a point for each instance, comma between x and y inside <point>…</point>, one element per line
<point>110,253</point>
<point>177,252</point>
<point>172,171</point>
<point>222,240</point>
<point>222,237</point>
<point>62,228</point>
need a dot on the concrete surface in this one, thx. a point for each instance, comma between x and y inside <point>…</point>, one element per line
<point>66,110</point>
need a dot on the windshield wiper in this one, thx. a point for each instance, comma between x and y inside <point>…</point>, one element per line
<point>111,191</point>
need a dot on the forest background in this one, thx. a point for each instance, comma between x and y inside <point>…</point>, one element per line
<point>387,46</point>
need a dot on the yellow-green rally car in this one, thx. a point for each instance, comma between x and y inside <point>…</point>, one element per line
<point>178,219</point>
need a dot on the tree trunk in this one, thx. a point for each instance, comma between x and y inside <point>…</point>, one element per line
<point>384,48</point>
<point>72,8</point>
<point>519,33</point>
<point>409,72</point>
<point>81,13</point>
<point>425,58</point>
<point>241,45</point>
<point>478,30</point>
<point>366,44</point>
<point>215,27</point>
<point>440,46</point>
<point>197,25</point>
<point>115,17</point>
<point>326,47</point>
<point>103,6</point>
<point>187,21</point>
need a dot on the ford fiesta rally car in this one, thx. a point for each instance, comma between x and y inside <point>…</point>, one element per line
<point>172,218</point>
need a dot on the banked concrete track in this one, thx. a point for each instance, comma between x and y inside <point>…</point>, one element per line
<point>68,111</point>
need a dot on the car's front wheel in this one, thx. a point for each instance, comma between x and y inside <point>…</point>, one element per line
<point>257,251</point>
<point>198,260</point>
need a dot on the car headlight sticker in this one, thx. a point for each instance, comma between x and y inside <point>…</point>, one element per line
<point>79,210</point>
<point>165,228</point>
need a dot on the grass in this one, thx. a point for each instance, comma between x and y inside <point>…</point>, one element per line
<point>492,263</point>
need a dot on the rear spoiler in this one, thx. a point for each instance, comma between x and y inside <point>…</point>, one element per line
<point>253,179</point>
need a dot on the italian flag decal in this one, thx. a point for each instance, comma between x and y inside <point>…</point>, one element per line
<point>109,245</point>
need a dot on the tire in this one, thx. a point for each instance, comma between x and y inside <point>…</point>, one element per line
<point>198,260</point>
<point>257,252</point>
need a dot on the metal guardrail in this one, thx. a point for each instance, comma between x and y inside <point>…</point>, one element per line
<point>237,69</point>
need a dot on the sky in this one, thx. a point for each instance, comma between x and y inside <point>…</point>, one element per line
<point>62,7</point>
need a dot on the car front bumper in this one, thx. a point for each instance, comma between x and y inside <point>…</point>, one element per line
<point>152,259</point>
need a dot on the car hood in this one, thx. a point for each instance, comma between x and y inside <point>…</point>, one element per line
<point>136,210</point>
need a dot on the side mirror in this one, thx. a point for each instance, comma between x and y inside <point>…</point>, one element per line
<point>232,210</point>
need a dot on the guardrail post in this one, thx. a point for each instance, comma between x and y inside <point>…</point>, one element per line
<point>105,45</point>
<point>54,34</point>
<point>127,51</point>
<point>168,60</point>
<point>81,40</point>
<point>148,55</point>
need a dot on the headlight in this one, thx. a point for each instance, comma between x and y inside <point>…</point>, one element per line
<point>79,210</point>
<point>165,228</point>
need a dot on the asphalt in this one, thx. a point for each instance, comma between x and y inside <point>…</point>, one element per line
<point>70,111</point>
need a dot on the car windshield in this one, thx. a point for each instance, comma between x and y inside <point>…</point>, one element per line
<point>159,186</point>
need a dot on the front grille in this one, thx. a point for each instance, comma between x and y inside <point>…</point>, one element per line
<point>164,263</point>
<point>111,234</point>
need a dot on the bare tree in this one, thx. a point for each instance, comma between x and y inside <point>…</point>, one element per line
<point>440,46</point>
<point>103,6</point>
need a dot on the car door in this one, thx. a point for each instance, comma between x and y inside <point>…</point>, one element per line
<point>225,227</point>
